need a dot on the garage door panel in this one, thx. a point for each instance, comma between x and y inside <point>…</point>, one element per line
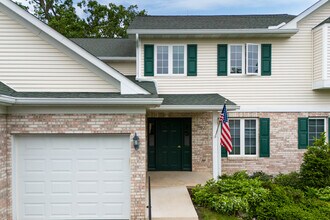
<point>72,177</point>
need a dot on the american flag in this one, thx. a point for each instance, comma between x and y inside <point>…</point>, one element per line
<point>225,139</point>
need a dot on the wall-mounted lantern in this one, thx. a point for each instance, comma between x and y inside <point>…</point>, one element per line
<point>136,141</point>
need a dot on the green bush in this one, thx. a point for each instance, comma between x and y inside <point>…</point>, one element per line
<point>234,194</point>
<point>261,176</point>
<point>292,179</point>
<point>315,168</point>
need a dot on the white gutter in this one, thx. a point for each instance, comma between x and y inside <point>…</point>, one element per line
<point>137,40</point>
<point>212,31</point>
<point>193,107</point>
<point>79,101</point>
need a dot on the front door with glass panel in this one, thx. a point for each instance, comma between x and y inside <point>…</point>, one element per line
<point>169,144</point>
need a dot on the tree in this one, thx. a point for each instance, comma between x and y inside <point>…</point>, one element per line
<point>315,169</point>
<point>108,20</point>
<point>97,21</point>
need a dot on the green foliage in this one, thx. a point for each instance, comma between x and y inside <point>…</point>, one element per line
<point>249,197</point>
<point>235,194</point>
<point>261,176</point>
<point>292,179</point>
<point>315,168</point>
<point>97,20</point>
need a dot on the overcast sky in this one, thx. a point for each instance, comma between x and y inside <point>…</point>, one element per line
<point>216,7</point>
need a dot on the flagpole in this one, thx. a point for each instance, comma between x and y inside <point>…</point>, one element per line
<point>219,146</point>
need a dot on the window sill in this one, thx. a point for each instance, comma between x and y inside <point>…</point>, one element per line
<point>247,158</point>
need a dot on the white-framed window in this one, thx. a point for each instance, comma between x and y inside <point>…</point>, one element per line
<point>244,59</point>
<point>253,59</point>
<point>236,59</point>
<point>244,134</point>
<point>316,126</point>
<point>170,60</point>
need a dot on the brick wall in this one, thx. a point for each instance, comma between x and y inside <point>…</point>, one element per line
<point>284,153</point>
<point>88,124</point>
<point>201,137</point>
<point>3,169</point>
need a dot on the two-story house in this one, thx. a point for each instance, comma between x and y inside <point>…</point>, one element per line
<point>83,120</point>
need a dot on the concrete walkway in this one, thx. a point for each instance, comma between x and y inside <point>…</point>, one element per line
<point>170,197</point>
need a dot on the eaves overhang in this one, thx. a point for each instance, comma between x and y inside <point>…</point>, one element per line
<point>8,100</point>
<point>194,108</point>
<point>279,33</point>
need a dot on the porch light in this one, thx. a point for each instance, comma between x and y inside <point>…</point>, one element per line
<point>136,141</point>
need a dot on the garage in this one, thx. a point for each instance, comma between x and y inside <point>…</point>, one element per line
<point>71,177</point>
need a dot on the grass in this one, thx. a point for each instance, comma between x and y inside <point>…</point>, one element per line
<point>206,214</point>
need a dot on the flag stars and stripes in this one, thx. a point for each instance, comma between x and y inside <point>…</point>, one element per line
<point>225,139</point>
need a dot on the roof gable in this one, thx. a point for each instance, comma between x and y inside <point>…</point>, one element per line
<point>70,48</point>
<point>304,14</point>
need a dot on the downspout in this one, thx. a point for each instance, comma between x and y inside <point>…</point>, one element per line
<point>138,45</point>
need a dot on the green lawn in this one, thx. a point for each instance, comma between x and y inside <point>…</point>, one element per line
<point>206,214</point>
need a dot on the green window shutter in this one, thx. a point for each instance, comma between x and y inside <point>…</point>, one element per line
<point>148,60</point>
<point>302,133</point>
<point>192,60</point>
<point>266,59</point>
<point>222,59</point>
<point>224,152</point>
<point>264,137</point>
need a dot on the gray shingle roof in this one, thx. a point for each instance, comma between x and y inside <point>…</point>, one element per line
<point>147,85</point>
<point>194,99</point>
<point>169,99</point>
<point>106,47</point>
<point>209,22</point>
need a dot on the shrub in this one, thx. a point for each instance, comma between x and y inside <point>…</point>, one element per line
<point>316,165</point>
<point>261,176</point>
<point>234,194</point>
<point>292,179</point>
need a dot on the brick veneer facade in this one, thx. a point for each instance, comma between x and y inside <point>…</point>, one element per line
<point>284,153</point>
<point>3,171</point>
<point>285,156</point>
<point>83,124</point>
<point>202,139</point>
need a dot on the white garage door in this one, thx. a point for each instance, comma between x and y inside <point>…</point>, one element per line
<point>71,177</point>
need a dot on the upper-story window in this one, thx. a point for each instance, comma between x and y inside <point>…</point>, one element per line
<point>253,59</point>
<point>236,59</point>
<point>244,59</point>
<point>170,59</point>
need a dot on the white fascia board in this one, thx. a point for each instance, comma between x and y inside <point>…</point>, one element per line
<point>117,58</point>
<point>193,108</point>
<point>213,31</point>
<point>284,108</point>
<point>293,23</point>
<point>79,101</point>
<point>49,34</point>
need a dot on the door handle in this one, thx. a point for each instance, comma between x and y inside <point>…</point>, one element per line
<point>179,146</point>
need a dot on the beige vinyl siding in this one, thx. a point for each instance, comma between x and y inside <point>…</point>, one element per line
<point>29,63</point>
<point>290,82</point>
<point>126,68</point>
<point>328,51</point>
<point>318,54</point>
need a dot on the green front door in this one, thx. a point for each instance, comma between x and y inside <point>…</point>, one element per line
<point>172,144</point>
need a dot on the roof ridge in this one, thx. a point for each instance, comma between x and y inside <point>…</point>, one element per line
<point>244,15</point>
